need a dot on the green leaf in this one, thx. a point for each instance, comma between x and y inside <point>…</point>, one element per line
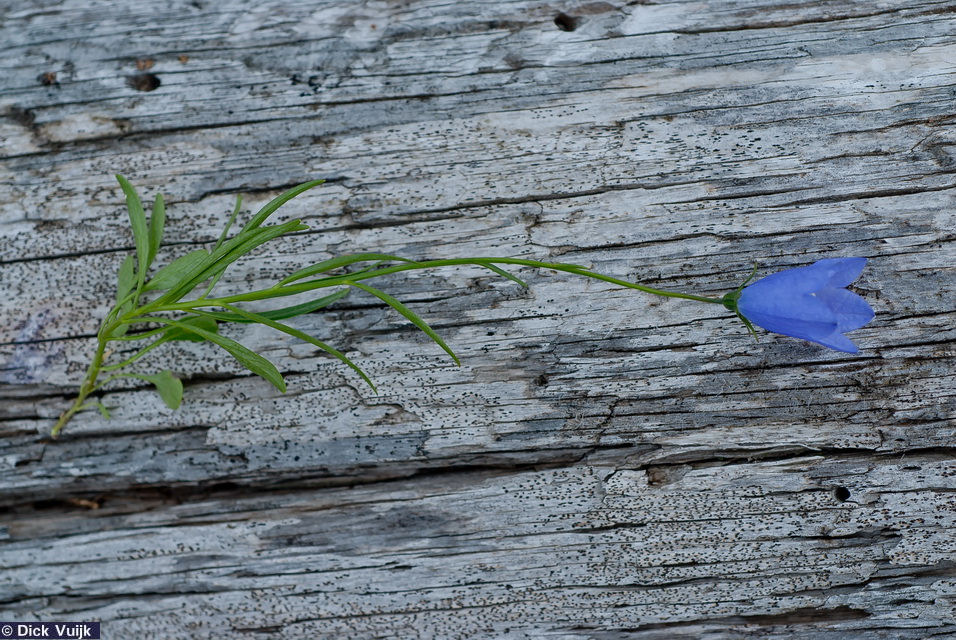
<point>247,358</point>
<point>121,330</point>
<point>170,275</point>
<point>137,219</point>
<point>156,223</point>
<point>232,218</point>
<point>136,356</point>
<point>247,243</point>
<point>99,405</point>
<point>225,255</point>
<point>277,202</point>
<point>504,274</point>
<point>409,314</point>
<point>206,324</point>
<point>335,263</point>
<point>262,319</point>
<point>126,279</point>
<point>125,282</point>
<point>169,387</point>
<point>172,333</point>
<point>222,238</point>
<point>142,335</point>
<point>285,312</point>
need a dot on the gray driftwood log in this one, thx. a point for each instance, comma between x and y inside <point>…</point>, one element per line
<point>604,464</point>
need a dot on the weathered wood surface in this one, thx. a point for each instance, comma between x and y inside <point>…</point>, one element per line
<point>603,465</point>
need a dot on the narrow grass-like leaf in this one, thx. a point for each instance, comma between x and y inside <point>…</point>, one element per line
<point>222,238</point>
<point>167,334</point>
<point>173,333</point>
<point>246,357</point>
<point>409,314</point>
<point>504,274</point>
<point>176,270</point>
<point>121,330</point>
<point>285,312</point>
<point>197,270</point>
<point>232,219</point>
<point>125,283</point>
<point>126,278</point>
<point>99,405</point>
<point>261,236</point>
<point>336,263</point>
<point>136,356</point>
<point>156,223</point>
<point>277,202</point>
<point>262,319</point>
<point>225,255</point>
<point>206,324</point>
<point>137,220</point>
<point>142,335</point>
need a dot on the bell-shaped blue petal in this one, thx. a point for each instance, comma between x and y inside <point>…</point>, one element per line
<point>809,302</point>
<point>852,311</point>
<point>840,271</point>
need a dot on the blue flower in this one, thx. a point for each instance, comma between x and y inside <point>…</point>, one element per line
<point>808,302</point>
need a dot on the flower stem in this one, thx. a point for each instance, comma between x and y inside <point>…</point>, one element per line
<point>331,281</point>
<point>86,388</point>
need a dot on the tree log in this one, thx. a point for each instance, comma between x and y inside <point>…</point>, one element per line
<point>604,464</point>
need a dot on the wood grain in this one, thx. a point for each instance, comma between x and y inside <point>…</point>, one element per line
<point>604,464</point>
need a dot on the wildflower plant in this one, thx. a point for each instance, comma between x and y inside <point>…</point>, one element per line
<point>176,302</point>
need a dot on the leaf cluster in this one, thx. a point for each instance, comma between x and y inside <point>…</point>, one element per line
<point>174,302</point>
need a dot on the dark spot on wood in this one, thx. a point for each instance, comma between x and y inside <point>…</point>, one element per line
<point>656,476</point>
<point>841,493</point>
<point>541,381</point>
<point>48,79</point>
<point>144,82</point>
<point>807,615</point>
<point>21,116</point>
<point>565,22</point>
<point>939,11</point>
<point>513,61</point>
<point>272,629</point>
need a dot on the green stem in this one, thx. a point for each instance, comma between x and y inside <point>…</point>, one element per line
<point>117,376</point>
<point>110,379</point>
<point>87,387</point>
<point>136,356</point>
<point>139,336</point>
<point>291,290</point>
